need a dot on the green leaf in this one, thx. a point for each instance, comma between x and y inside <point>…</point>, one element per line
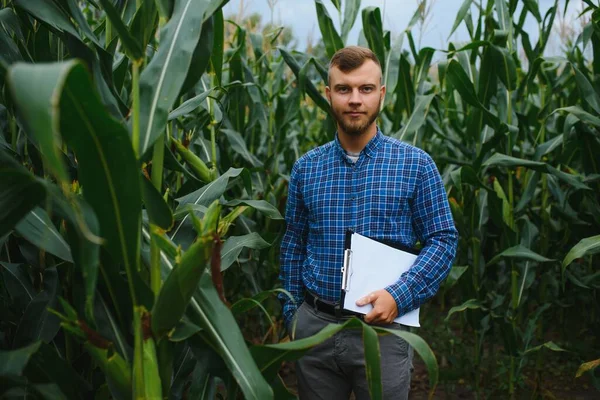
<point>234,245</point>
<point>331,38</point>
<point>418,116</point>
<point>269,357</point>
<point>588,366</point>
<point>20,192</point>
<point>185,209</point>
<point>107,166</point>
<point>189,105</point>
<point>582,115</point>
<point>588,93</point>
<point>184,330</point>
<point>181,283</point>
<point>38,229</point>
<point>506,67</point>
<point>162,79</point>
<point>309,88</point>
<point>504,17</point>
<point>245,304</point>
<point>165,7</point>
<point>519,252</point>
<point>502,160</point>
<point>533,8</point>
<point>223,332</point>
<point>471,304</point>
<point>351,8</point>
<point>373,30</point>
<point>238,144</point>
<point>337,4</point>
<point>18,284</point>
<point>462,12</point>
<point>158,210</point>
<point>216,56</point>
<point>587,246</point>
<point>108,327</point>
<point>130,44</point>
<point>201,57</point>
<point>372,361</point>
<point>46,365</point>
<point>83,232</point>
<point>144,23</point>
<point>459,79</point>
<point>39,115</point>
<point>548,345</point>
<point>50,13</point>
<point>14,362</point>
<point>207,194</point>
<point>455,273</point>
<point>260,205</point>
<point>507,211</point>
<point>37,323</point>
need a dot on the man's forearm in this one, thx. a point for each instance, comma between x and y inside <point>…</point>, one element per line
<point>423,280</point>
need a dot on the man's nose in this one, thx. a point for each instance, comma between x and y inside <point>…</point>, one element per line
<point>355,97</point>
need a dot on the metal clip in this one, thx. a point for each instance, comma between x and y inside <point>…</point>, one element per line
<point>346,269</point>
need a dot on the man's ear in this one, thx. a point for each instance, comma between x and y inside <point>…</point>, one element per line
<point>328,93</point>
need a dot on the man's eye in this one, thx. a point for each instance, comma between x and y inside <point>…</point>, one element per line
<point>367,89</point>
<point>343,90</point>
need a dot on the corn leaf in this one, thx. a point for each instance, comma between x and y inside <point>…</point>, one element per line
<point>372,361</point>
<point>351,9</point>
<point>373,30</point>
<point>331,38</point>
<point>519,252</point>
<point>20,192</point>
<point>587,246</point>
<point>39,230</point>
<point>107,165</point>
<point>162,79</point>
<point>235,244</point>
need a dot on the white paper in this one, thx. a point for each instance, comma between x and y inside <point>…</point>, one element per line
<point>374,266</point>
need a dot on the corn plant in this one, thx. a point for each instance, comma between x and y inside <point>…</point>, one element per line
<point>143,154</point>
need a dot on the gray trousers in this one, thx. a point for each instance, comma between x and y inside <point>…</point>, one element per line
<point>336,367</point>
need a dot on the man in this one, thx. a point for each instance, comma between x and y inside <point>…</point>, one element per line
<point>378,187</point>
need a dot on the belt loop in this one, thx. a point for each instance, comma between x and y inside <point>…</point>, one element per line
<point>338,311</point>
<point>316,302</point>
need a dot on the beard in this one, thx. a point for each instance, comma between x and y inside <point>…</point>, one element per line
<point>355,127</point>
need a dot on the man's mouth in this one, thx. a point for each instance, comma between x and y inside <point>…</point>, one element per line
<point>354,113</point>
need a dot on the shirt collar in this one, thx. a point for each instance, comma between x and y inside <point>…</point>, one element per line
<point>370,149</point>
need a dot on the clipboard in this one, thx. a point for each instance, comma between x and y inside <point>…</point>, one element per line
<point>370,265</point>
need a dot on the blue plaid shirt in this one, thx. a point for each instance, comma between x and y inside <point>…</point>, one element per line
<point>393,192</point>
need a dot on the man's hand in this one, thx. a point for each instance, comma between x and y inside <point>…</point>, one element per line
<point>384,307</point>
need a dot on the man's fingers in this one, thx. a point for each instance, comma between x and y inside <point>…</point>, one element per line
<point>372,316</point>
<point>371,297</point>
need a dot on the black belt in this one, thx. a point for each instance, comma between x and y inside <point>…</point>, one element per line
<point>333,309</point>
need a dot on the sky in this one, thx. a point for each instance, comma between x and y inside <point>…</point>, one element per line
<point>301,16</point>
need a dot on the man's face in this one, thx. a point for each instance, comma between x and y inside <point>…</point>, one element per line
<point>355,97</point>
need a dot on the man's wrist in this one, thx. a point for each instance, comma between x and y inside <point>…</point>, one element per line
<point>402,296</point>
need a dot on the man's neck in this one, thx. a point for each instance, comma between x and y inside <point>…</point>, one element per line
<point>355,144</point>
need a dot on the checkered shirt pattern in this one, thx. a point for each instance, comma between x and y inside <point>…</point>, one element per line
<point>393,192</point>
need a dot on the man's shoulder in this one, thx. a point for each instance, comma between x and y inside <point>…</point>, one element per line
<point>316,153</point>
<point>396,145</point>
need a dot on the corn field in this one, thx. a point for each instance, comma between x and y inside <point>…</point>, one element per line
<point>145,151</point>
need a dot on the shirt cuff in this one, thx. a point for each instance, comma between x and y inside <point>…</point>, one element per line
<point>402,295</point>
